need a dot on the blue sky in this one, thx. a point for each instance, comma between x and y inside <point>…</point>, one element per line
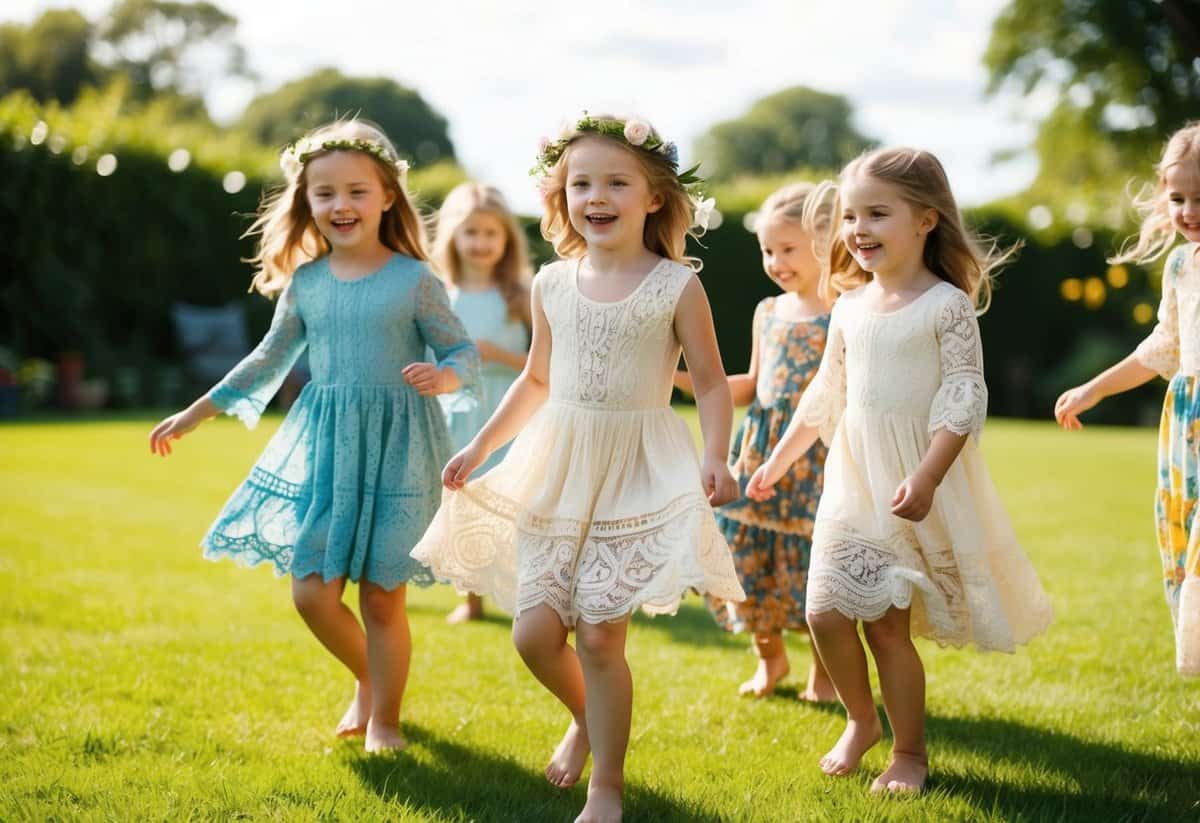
<point>505,73</point>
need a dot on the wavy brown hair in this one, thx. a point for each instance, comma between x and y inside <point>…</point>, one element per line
<point>952,251</point>
<point>287,234</point>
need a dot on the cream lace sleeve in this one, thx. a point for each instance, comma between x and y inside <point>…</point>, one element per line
<point>824,400</point>
<point>1160,350</point>
<point>960,404</point>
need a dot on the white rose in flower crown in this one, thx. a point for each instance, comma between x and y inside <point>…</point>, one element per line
<point>543,144</point>
<point>636,132</point>
<point>702,213</point>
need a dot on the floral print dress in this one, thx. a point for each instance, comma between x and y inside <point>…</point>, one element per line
<point>772,539</point>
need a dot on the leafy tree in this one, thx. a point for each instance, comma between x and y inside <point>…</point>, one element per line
<point>794,128</point>
<point>1124,74</point>
<point>417,129</point>
<point>153,43</point>
<point>50,57</point>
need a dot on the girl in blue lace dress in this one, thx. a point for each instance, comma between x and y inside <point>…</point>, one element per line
<point>481,254</point>
<point>348,484</point>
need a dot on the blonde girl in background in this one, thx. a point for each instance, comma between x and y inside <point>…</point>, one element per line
<point>772,539</point>
<point>600,506</point>
<point>911,536</point>
<point>348,483</point>
<point>481,254</point>
<point>1171,211</point>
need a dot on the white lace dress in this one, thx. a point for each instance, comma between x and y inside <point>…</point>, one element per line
<point>886,384</point>
<point>597,509</point>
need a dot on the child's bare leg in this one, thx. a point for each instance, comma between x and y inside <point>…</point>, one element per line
<point>820,688</point>
<point>837,642</point>
<point>609,710</point>
<point>772,665</point>
<point>902,681</point>
<point>389,651</point>
<point>332,623</point>
<point>470,609</point>
<point>541,640</point>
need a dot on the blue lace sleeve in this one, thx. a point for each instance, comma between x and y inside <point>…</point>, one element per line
<point>444,333</point>
<point>251,384</point>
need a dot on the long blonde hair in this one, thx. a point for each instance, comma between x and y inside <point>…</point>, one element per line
<point>1156,235</point>
<point>512,274</point>
<point>952,251</point>
<point>666,230</point>
<point>287,234</point>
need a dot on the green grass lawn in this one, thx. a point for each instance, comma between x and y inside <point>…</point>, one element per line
<point>142,682</point>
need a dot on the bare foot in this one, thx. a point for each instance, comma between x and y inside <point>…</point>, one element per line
<point>567,762</point>
<point>905,774</point>
<point>820,687</point>
<point>844,757</point>
<point>354,721</point>
<point>469,609</point>
<point>603,805</point>
<point>770,671</point>
<point>382,738</point>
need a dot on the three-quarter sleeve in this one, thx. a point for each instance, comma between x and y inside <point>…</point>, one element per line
<point>960,404</point>
<point>251,384</point>
<point>444,333</point>
<point>1160,349</point>
<point>824,399</point>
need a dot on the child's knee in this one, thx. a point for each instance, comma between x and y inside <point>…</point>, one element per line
<point>533,645</point>
<point>599,644</point>
<point>378,605</point>
<point>884,635</point>
<point>311,595</point>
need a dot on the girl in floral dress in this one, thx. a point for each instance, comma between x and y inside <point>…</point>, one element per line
<point>1171,208</point>
<point>772,539</point>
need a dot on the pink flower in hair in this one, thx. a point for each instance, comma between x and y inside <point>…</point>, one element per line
<point>636,132</point>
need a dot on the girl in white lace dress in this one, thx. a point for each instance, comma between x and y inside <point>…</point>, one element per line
<point>600,506</point>
<point>910,535</point>
<point>1171,209</point>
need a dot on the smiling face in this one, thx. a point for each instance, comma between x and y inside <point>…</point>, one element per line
<point>347,198</point>
<point>881,229</point>
<point>787,255</point>
<point>480,241</point>
<point>608,195</point>
<point>1183,198</point>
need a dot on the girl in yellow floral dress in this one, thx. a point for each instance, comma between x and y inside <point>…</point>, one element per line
<point>1169,207</point>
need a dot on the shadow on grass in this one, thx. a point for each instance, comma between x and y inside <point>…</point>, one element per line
<point>1113,783</point>
<point>463,783</point>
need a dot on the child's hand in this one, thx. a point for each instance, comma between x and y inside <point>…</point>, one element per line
<point>487,351</point>
<point>914,498</point>
<point>762,482</point>
<point>718,482</point>
<point>173,428</point>
<point>1072,403</point>
<point>426,378</point>
<point>455,475</point>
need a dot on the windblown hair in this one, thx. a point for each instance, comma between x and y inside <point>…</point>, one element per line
<point>1156,235</point>
<point>287,234</point>
<point>952,251</point>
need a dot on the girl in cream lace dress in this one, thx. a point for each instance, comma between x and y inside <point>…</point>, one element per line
<point>600,506</point>
<point>910,535</point>
<point>1173,350</point>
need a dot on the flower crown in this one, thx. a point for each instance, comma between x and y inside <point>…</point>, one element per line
<point>296,155</point>
<point>638,134</point>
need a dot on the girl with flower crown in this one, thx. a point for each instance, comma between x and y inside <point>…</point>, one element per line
<point>479,250</point>
<point>348,483</point>
<point>600,506</point>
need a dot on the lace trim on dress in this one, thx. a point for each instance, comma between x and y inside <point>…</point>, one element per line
<point>824,400</point>
<point>960,404</point>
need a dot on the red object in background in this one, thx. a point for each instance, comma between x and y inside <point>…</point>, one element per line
<point>70,374</point>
